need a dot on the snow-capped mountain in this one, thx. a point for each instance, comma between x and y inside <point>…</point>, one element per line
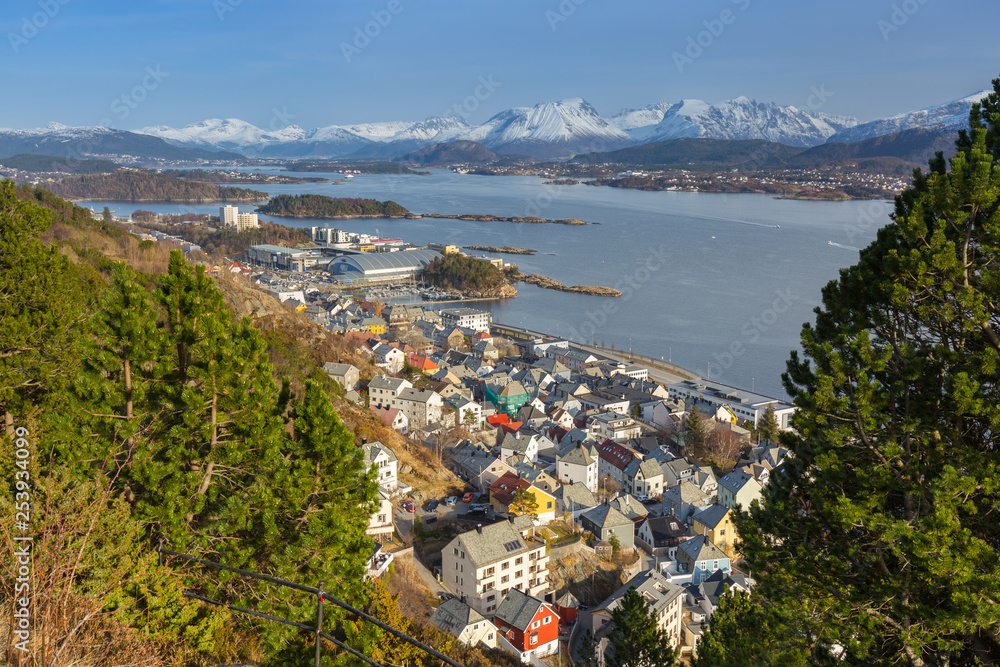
<point>293,141</point>
<point>631,119</point>
<point>97,141</point>
<point>228,133</point>
<point>739,118</point>
<point>954,114</point>
<point>550,129</point>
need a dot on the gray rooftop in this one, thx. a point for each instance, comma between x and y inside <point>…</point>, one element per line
<point>653,586</point>
<point>454,616</point>
<point>517,609</point>
<point>496,542</point>
<point>606,516</point>
<point>699,548</point>
<point>712,516</point>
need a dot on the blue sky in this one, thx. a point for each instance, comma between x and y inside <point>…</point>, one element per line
<point>174,62</point>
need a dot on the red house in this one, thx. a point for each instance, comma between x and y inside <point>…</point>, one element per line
<point>527,626</point>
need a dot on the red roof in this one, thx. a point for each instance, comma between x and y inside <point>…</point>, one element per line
<point>617,455</point>
<point>423,363</point>
<point>504,488</point>
<point>497,419</point>
<point>511,427</point>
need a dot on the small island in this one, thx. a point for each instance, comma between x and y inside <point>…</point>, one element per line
<point>470,277</point>
<point>238,177</point>
<point>502,250</point>
<point>547,283</point>
<point>334,208</point>
<point>133,185</point>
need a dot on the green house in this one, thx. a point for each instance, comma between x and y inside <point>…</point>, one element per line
<point>507,398</point>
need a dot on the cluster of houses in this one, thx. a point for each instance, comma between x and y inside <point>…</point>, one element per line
<point>592,444</point>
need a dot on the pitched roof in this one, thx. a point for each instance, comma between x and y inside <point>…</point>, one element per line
<point>666,527</point>
<point>617,455</point>
<point>372,450</point>
<point>712,516</point>
<point>385,382</point>
<point>518,609</point>
<point>629,507</point>
<point>578,455</point>
<point>736,480</point>
<point>652,585</point>
<point>513,388</point>
<point>454,616</point>
<point>700,548</point>
<point>685,492</point>
<point>337,369</point>
<point>386,416</point>
<point>606,516</point>
<point>506,486</point>
<point>497,541</point>
<point>576,496</point>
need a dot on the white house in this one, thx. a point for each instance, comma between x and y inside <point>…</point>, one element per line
<point>578,464</point>
<point>385,463</point>
<point>389,358</point>
<point>468,625</point>
<point>380,525</point>
<point>421,406</point>
<point>383,391</point>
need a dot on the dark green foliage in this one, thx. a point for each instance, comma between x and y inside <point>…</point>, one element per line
<point>880,534</point>
<point>321,206</point>
<point>746,631</point>
<point>768,429</point>
<point>43,309</point>
<point>636,640</point>
<point>135,185</point>
<point>464,273</point>
<point>48,163</point>
<point>695,430</point>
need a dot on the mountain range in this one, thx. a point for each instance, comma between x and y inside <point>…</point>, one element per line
<point>550,130</point>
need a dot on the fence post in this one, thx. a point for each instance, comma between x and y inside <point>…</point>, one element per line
<point>319,621</point>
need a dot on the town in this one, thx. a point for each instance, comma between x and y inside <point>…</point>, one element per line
<point>563,474</point>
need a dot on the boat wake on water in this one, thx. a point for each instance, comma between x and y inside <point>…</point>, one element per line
<point>845,247</point>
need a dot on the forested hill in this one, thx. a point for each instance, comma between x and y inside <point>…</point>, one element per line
<point>136,186</point>
<point>51,163</point>
<point>149,412</point>
<point>321,206</point>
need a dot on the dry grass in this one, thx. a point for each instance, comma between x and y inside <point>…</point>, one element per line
<point>415,598</point>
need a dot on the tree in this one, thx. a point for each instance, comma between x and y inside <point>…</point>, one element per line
<point>43,306</point>
<point>636,640</point>
<point>637,412</point>
<point>524,502</point>
<point>696,431</point>
<point>107,215</point>
<point>745,631</point>
<point>879,535</point>
<point>768,429</point>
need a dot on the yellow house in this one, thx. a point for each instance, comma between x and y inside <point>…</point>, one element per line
<point>375,325</point>
<point>716,523</point>
<point>502,495</point>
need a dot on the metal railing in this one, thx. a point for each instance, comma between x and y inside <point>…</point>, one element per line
<point>321,597</point>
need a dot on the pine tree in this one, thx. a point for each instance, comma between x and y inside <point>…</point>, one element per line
<point>524,502</point>
<point>636,640</point>
<point>879,535</point>
<point>745,631</point>
<point>696,431</point>
<point>43,304</point>
<point>768,429</point>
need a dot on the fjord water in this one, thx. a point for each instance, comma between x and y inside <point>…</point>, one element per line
<point>719,283</point>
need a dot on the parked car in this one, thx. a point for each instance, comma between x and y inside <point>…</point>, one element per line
<point>478,508</point>
<point>478,512</point>
<point>450,501</point>
<point>408,506</point>
<point>467,498</point>
<point>444,596</point>
<point>432,505</point>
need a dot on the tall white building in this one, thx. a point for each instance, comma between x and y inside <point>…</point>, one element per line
<point>246,221</point>
<point>228,215</point>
